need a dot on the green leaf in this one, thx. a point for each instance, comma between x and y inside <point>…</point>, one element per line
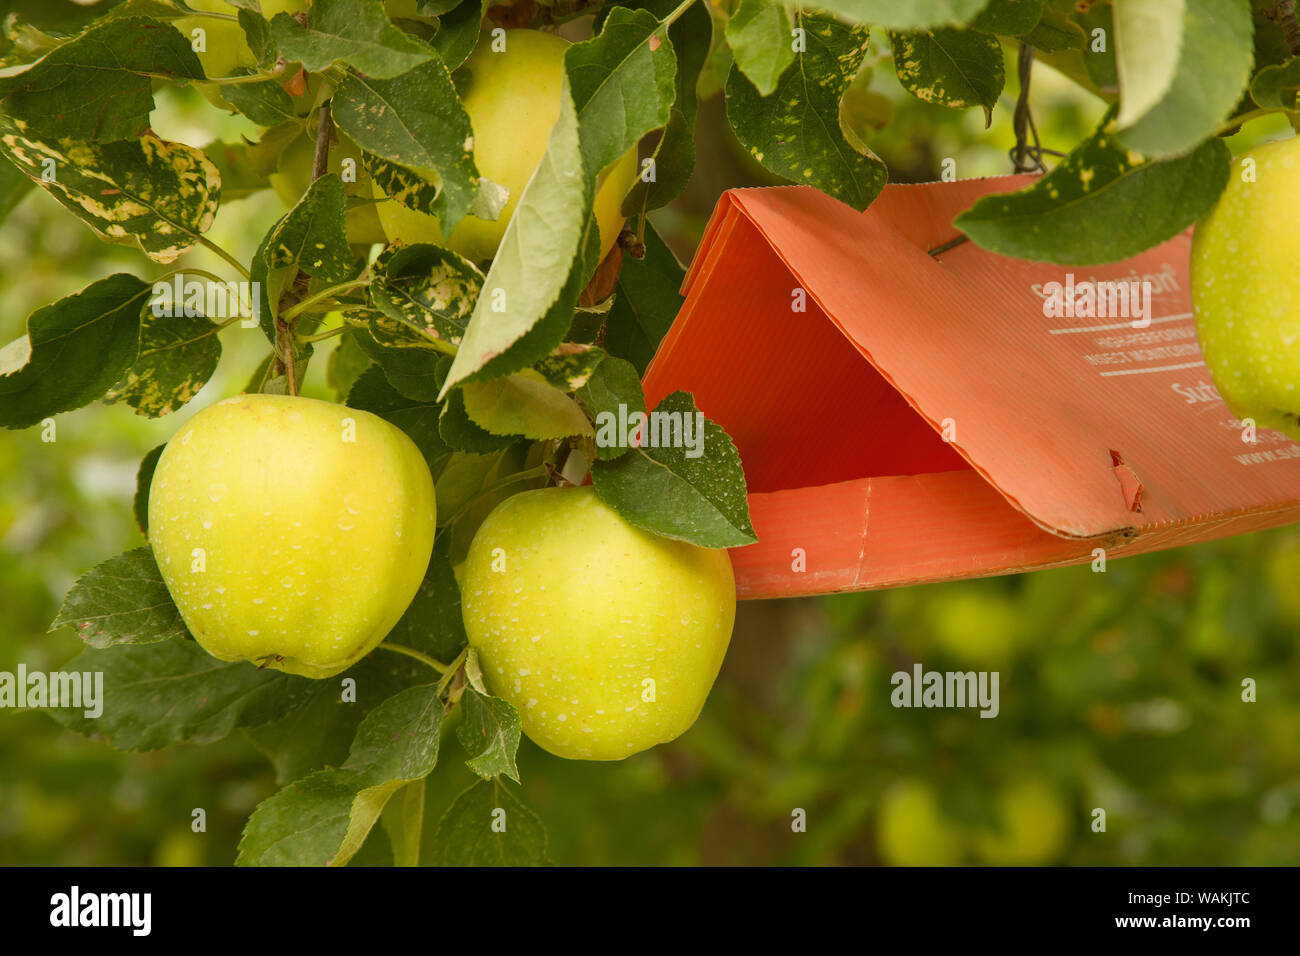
<point>760,38</point>
<point>13,187</point>
<point>122,601</point>
<point>458,31</point>
<point>176,692</point>
<point>96,87</point>
<point>323,819</point>
<point>1161,117</point>
<point>355,32</point>
<point>622,85</point>
<point>1008,18</point>
<point>403,821</point>
<point>524,403</point>
<point>796,132</point>
<point>464,434</point>
<point>143,479</point>
<point>953,68</point>
<point>674,156</point>
<point>416,120</point>
<point>155,195</point>
<point>694,490</point>
<point>570,366</point>
<point>674,162</point>
<point>912,15</point>
<point>1145,58</point>
<point>74,351</point>
<point>266,104</point>
<point>319,730</point>
<point>346,364</point>
<point>489,732</point>
<point>534,263</point>
<point>1101,204</point>
<point>373,393</point>
<point>1056,32</point>
<point>613,389</point>
<point>257,34</point>
<point>487,825</point>
<point>646,301</point>
<point>178,354</point>
<point>426,287</point>
<point>311,236</point>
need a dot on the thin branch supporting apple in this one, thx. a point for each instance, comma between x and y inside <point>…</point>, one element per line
<point>286,321</point>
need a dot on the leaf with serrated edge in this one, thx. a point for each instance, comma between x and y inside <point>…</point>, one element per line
<point>122,601</point>
<point>176,692</point>
<point>426,287</point>
<point>74,351</point>
<point>416,120</point>
<point>759,36</point>
<point>323,819</point>
<point>524,404</point>
<point>953,68</point>
<point>1102,203</point>
<point>178,354</point>
<point>96,87</point>
<point>489,732</point>
<point>355,32</point>
<point>155,195</point>
<point>697,499</point>
<point>487,825</point>
<point>615,383</point>
<point>1214,64</point>
<point>795,132</point>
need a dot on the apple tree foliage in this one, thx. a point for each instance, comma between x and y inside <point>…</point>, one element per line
<point>498,369</point>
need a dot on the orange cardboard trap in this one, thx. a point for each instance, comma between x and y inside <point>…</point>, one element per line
<point>923,420</point>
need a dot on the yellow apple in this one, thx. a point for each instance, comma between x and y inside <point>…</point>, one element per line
<point>293,177</point>
<point>291,532</point>
<point>1245,290</point>
<point>225,45</point>
<point>1035,825</point>
<point>911,830</point>
<point>604,637</point>
<point>513,100</point>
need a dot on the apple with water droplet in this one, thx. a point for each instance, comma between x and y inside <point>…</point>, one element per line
<point>606,638</point>
<point>291,532</point>
<point>1245,290</point>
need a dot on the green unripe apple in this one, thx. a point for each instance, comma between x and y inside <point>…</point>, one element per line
<point>293,177</point>
<point>1034,826</point>
<point>225,44</point>
<point>911,830</point>
<point>1245,290</point>
<point>604,637</point>
<point>513,99</point>
<point>291,532</point>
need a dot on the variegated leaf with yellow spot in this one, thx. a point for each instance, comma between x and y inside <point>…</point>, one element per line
<point>430,289</point>
<point>148,192</point>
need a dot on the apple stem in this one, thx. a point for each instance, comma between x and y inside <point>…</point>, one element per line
<point>437,665</point>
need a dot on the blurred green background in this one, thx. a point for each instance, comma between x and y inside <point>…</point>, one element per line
<point>1119,690</point>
